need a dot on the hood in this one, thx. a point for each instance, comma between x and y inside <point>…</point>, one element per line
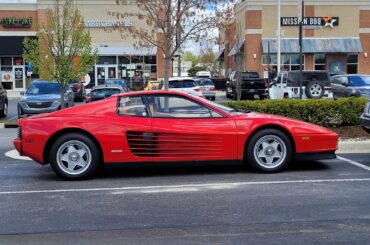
<point>41,97</point>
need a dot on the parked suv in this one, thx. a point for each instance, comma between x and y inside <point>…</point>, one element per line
<point>184,84</point>
<point>250,85</point>
<point>3,102</point>
<point>365,118</point>
<point>315,85</point>
<point>207,87</point>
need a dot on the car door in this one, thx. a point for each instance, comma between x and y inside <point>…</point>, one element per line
<point>133,119</point>
<point>187,130</point>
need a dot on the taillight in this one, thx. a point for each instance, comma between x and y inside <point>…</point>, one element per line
<point>197,90</point>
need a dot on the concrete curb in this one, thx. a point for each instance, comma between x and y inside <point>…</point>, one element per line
<point>354,146</point>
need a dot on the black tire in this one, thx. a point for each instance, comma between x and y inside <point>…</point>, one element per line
<point>4,111</point>
<point>286,96</point>
<point>20,111</point>
<point>315,90</point>
<point>253,148</point>
<point>61,169</point>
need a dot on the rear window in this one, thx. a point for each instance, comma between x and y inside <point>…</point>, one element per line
<point>205,83</point>
<point>182,84</point>
<point>248,75</point>
<point>359,81</point>
<point>106,91</point>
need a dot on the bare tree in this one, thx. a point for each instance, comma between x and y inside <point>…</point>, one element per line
<point>174,21</point>
<point>239,60</point>
<point>62,50</point>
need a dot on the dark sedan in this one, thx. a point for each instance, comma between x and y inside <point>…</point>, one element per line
<point>103,91</point>
<point>350,85</point>
<point>42,97</point>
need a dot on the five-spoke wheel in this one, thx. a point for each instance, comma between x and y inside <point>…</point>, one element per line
<point>269,150</point>
<point>74,156</point>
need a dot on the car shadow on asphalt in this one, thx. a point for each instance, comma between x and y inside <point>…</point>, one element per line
<point>180,169</point>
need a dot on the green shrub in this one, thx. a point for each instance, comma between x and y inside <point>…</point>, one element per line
<point>325,112</point>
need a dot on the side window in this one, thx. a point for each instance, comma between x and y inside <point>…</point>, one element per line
<point>343,81</point>
<point>131,106</point>
<point>167,106</point>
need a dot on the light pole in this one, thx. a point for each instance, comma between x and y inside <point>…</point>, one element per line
<point>278,36</point>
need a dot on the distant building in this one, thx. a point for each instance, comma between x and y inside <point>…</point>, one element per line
<point>336,36</point>
<point>118,58</point>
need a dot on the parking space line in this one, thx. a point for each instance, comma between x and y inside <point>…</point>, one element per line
<point>360,165</point>
<point>186,187</point>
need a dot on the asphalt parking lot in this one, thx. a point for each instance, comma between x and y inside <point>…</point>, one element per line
<point>311,202</point>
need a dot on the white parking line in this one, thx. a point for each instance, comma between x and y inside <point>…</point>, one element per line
<point>14,154</point>
<point>354,163</point>
<point>184,188</point>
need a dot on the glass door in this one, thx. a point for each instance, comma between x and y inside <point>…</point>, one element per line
<point>111,72</point>
<point>19,77</point>
<point>100,74</point>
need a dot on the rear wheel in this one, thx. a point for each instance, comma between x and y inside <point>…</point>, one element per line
<point>74,156</point>
<point>269,151</point>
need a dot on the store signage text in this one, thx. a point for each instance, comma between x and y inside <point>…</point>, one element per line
<point>311,21</point>
<point>107,23</point>
<point>12,22</point>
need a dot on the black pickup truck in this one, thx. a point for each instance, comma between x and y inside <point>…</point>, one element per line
<point>250,85</point>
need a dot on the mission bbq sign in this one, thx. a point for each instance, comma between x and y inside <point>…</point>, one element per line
<point>322,22</point>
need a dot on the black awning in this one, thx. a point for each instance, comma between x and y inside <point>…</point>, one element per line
<point>11,45</point>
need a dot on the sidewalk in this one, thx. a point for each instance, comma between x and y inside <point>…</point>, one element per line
<point>13,94</point>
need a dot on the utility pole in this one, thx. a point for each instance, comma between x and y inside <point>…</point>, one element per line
<point>178,37</point>
<point>301,20</point>
<point>279,37</point>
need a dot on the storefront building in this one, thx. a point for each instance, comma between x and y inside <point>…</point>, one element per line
<point>336,36</point>
<point>118,55</point>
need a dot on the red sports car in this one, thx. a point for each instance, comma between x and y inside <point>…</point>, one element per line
<point>160,126</point>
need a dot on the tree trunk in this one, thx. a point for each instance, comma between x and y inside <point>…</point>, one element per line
<point>62,95</point>
<point>166,72</point>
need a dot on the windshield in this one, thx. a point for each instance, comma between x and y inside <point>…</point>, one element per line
<point>43,88</point>
<point>359,81</point>
<point>218,106</point>
<point>106,92</point>
<point>182,84</point>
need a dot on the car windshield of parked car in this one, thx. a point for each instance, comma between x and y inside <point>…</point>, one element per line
<point>359,81</point>
<point>205,83</point>
<point>43,88</point>
<point>106,92</point>
<point>182,84</point>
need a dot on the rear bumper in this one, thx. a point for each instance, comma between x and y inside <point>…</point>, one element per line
<point>255,91</point>
<point>18,146</point>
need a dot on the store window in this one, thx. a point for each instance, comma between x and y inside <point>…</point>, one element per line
<point>352,64</point>
<point>320,62</point>
<point>289,62</point>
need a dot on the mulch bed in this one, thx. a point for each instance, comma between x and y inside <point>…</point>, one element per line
<point>347,132</point>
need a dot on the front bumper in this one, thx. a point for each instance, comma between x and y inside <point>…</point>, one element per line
<point>30,111</point>
<point>255,91</point>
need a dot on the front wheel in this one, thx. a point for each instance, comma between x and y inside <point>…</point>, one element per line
<point>269,151</point>
<point>74,156</point>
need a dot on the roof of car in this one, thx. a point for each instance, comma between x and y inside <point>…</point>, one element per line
<point>150,92</point>
<point>43,81</point>
<point>180,78</point>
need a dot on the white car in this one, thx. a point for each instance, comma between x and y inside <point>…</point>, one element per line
<point>184,84</point>
<point>203,74</point>
<point>315,84</point>
<point>207,87</point>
